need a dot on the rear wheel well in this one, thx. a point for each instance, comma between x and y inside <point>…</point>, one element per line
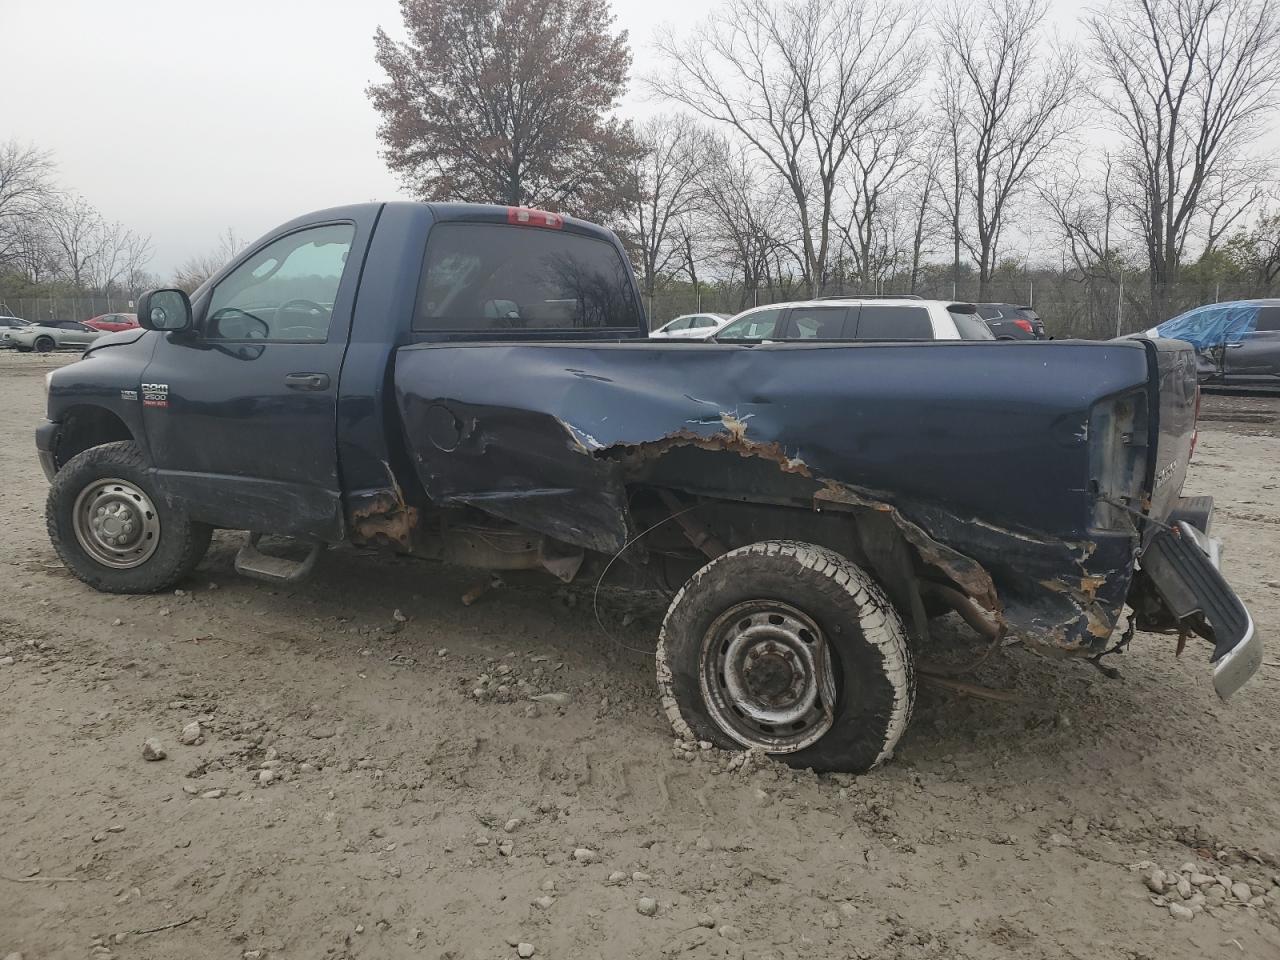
<point>87,427</point>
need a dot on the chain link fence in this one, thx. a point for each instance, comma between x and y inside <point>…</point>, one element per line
<point>43,309</point>
<point>1097,308</point>
<point>1094,309</point>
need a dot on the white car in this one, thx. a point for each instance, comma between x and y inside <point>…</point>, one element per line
<point>690,326</point>
<point>858,318</point>
<point>45,337</point>
<point>7,326</point>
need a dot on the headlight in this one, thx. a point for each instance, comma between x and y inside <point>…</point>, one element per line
<point>48,378</point>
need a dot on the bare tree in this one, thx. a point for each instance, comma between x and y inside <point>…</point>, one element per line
<point>1008,104</point>
<point>196,270</point>
<point>137,255</point>
<point>1082,210</point>
<point>665,193</point>
<point>923,188</point>
<point>745,221</point>
<point>1257,251</point>
<point>32,250</point>
<point>800,81</point>
<point>26,185</point>
<point>76,229</point>
<point>881,161</point>
<point>1187,85</point>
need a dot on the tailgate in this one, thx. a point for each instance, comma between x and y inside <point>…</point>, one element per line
<point>1173,397</point>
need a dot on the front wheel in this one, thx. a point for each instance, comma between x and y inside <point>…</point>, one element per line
<point>113,531</point>
<point>790,649</point>
<point>44,345</point>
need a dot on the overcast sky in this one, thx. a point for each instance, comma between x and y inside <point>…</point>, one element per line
<point>244,114</point>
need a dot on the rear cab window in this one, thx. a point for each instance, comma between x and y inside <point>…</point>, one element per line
<point>499,278</point>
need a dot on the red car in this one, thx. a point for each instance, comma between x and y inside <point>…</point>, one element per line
<point>113,322</point>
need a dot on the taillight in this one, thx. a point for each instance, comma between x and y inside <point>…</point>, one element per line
<point>528,217</point>
<point>1024,325</point>
<point>1195,426</point>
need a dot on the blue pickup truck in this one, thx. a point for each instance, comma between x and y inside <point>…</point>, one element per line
<point>473,384</point>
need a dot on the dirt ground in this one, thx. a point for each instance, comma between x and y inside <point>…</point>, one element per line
<point>424,806</point>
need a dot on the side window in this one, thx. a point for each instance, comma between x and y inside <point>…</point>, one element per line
<point>816,323</point>
<point>761,325</point>
<point>1268,319</point>
<point>681,324</point>
<point>699,323</point>
<point>285,291</point>
<point>970,326</point>
<point>880,322</point>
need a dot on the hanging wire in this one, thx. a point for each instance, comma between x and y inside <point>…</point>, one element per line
<point>595,594</point>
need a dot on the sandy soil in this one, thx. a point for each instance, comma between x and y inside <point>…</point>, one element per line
<point>412,817</point>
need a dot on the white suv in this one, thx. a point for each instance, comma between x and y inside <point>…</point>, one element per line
<point>858,318</point>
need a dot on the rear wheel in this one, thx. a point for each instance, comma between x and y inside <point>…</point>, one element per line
<point>113,531</point>
<point>790,649</point>
<point>44,345</point>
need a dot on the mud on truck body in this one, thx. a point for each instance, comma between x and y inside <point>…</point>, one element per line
<point>473,384</point>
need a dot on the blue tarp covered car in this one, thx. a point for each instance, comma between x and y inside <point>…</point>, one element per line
<point>1237,343</point>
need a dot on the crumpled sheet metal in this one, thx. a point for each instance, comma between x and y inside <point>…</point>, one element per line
<point>550,436</point>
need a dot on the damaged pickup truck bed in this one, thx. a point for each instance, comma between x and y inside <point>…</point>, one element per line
<point>472,384</point>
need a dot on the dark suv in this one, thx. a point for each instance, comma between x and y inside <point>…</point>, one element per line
<point>1008,321</point>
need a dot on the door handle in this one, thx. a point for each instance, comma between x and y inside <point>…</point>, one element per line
<point>307,381</point>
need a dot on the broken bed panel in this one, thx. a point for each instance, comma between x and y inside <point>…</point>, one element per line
<point>979,449</point>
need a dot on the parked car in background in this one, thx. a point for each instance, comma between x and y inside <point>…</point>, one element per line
<point>113,322</point>
<point>1009,321</point>
<point>690,326</point>
<point>54,335</point>
<point>1237,343</point>
<point>7,325</point>
<point>897,318</point>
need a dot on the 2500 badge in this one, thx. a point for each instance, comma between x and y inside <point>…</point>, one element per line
<point>155,394</point>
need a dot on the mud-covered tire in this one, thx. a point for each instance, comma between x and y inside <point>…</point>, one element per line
<point>182,542</point>
<point>865,640</point>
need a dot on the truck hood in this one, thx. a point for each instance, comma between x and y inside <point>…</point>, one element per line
<point>116,339</point>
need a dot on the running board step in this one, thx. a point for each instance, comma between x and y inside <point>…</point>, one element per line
<point>251,562</point>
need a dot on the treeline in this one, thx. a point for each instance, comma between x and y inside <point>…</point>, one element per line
<point>868,145</point>
<point>55,244</point>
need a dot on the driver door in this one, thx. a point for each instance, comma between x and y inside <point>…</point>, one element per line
<point>241,413</point>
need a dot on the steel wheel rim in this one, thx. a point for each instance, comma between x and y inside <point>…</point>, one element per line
<point>116,524</point>
<point>767,676</point>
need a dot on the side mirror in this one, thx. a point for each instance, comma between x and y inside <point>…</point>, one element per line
<point>165,310</point>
